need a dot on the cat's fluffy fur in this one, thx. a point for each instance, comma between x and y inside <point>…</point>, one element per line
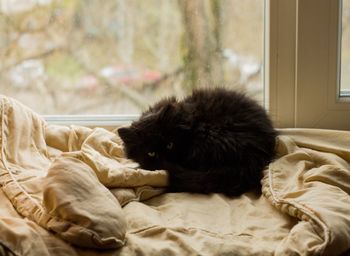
<point>212,141</point>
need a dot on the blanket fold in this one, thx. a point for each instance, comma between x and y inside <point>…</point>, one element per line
<point>87,220</point>
<point>313,186</point>
<point>60,181</point>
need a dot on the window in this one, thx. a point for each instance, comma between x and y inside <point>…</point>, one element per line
<point>96,58</point>
<point>303,64</point>
<point>91,57</point>
<point>345,49</point>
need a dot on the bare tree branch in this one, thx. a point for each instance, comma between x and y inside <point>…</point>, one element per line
<point>134,96</point>
<point>166,77</point>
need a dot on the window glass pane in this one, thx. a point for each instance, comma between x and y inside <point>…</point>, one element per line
<point>345,49</point>
<point>119,56</point>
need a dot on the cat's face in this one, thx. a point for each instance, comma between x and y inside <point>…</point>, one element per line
<point>157,137</point>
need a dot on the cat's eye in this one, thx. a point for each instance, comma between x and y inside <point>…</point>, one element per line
<point>170,145</point>
<point>151,154</point>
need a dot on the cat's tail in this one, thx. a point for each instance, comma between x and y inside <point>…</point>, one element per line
<point>217,180</point>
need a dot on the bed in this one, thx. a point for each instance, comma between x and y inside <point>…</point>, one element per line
<point>71,191</point>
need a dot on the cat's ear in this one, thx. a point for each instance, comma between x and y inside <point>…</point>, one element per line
<point>168,110</point>
<point>126,134</point>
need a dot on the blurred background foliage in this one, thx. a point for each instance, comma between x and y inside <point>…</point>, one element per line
<point>119,56</point>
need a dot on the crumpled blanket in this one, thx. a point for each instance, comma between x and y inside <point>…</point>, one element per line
<point>71,191</point>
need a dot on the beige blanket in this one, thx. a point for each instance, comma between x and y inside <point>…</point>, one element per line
<point>70,191</point>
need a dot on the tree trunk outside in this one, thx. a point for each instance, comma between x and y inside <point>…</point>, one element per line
<point>201,43</point>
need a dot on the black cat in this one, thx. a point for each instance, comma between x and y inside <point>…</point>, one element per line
<point>212,141</point>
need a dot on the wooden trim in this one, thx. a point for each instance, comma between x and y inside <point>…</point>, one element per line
<point>280,61</point>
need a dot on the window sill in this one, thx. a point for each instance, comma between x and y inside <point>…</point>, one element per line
<point>90,120</point>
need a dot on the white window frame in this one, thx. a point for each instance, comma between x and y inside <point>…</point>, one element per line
<point>106,121</point>
<point>302,64</point>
